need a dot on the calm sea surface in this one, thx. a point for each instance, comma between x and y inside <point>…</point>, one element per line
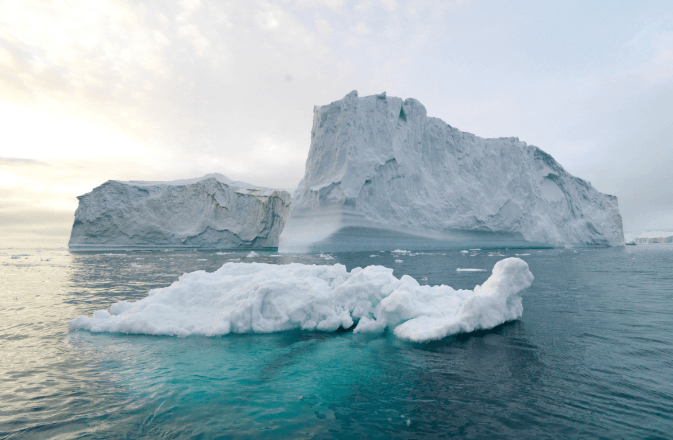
<point>592,356</point>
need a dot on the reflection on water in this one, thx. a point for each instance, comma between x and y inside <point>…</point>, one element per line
<point>591,356</point>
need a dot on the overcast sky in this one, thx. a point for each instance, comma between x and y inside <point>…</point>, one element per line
<point>92,90</point>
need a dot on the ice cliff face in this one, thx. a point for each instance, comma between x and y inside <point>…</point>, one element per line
<point>381,173</point>
<point>210,212</point>
<point>654,237</point>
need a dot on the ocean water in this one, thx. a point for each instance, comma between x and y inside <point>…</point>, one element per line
<point>592,356</point>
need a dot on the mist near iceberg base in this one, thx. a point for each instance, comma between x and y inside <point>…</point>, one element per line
<point>265,298</point>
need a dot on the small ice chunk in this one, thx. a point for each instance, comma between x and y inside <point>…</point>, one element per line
<point>135,265</point>
<point>252,254</point>
<point>399,261</point>
<point>201,259</point>
<point>400,251</point>
<point>326,257</point>
<point>521,255</point>
<point>470,270</point>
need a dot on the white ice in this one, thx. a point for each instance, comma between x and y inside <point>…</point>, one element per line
<point>380,170</point>
<point>654,237</point>
<point>209,212</point>
<point>263,298</point>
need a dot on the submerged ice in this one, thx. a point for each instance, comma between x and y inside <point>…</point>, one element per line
<point>264,298</point>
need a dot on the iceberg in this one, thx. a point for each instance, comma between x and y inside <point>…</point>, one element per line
<point>654,237</point>
<point>264,298</point>
<point>209,212</point>
<point>381,174</point>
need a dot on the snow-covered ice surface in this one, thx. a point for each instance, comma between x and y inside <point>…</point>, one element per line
<point>209,212</point>
<point>381,174</point>
<point>264,298</point>
<point>654,237</point>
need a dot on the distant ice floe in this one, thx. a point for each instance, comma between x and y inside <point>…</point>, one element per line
<point>223,253</point>
<point>264,298</point>
<point>326,257</point>
<point>110,255</point>
<point>521,255</point>
<point>135,265</point>
<point>399,261</point>
<point>470,270</point>
<point>252,254</point>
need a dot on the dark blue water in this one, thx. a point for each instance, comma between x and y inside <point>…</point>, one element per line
<point>592,356</point>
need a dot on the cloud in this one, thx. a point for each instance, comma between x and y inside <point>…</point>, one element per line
<point>19,160</point>
<point>322,25</point>
<point>334,5</point>
<point>390,4</point>
<point>361,29</point>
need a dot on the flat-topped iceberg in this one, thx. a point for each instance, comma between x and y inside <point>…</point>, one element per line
<point>381,174</point>
<point>264,298</point>
<point>654,237</point>
<point>209,212</point>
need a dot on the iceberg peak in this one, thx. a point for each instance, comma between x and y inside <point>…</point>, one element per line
<point>380,172</point>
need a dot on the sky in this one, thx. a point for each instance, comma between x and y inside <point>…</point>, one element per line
<point>93,90</point>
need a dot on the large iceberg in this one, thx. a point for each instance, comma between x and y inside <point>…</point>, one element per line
<point>654,237</point>
<point>208,212</point>
<point>381,174</point>
<point>264,298</point>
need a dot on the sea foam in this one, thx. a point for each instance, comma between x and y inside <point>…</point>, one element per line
<point>264,298</point>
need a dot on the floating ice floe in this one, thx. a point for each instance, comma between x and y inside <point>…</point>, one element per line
<point>521,255</point>
<point>400,251</point>
<point>135,265</point>
<point>110,255</point>
<point>399,261</point>
<point>252,254</point>
<point>326,257</point>
<point>223,253</point>
<point>264,298</point>
<point>470,270</point>
<point>201,259</point>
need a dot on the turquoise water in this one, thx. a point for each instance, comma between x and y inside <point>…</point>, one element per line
<point>592,356</point>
